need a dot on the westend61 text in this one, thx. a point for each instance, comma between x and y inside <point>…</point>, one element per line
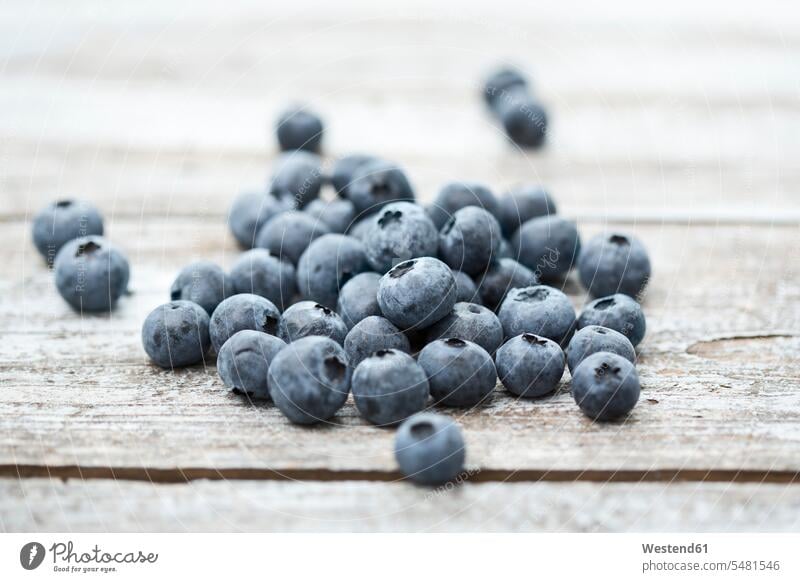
<point>673,549</point>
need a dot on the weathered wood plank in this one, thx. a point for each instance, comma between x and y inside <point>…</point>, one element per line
<point>45,505</point>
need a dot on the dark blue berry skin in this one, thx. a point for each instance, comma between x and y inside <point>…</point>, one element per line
<point>618,312</point>
<point>176,334</point>
<point>470,240</point>
<point>523,118</point>
<point>62,221</point>
<point>345,169</point>
<point>530,365</point>
<point>358,298</point>
<point>388,387</point>
<point>202,282</point>
<point>470,322</point>
<point>399,231</point>
<point>417,293</point>
<point>500,82</point>
<point>298,175</point>
<point>429,449</point>
<point>309,379</point>
<point>605,386</point>
<point>373,334</point>
<point>595,338</point>
<point>614,263</point>
<point>548,245</point>
<point>288,235</point>
<point>376,184</point>
<point>252,210</point>
<point>501,277</point>
<point>91,274</point>
<point>299,129</point>
<point>539,310</point>
<point>457,195</point>
<point>307,318</point>
<point>327,264</point>
<point>243,311</point>
<point>521,204</point>
<point>460,373</point>
<point>243,361</point>
<point>361,227</point>
<point>336,214</point>
<point>261,273</point>
<point>466,289</point>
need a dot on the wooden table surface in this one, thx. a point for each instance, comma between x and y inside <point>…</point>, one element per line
<point>681,125</point>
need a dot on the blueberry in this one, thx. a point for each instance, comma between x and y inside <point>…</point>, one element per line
<point>501,277</point>
<point>460,373</point>
<point>539,309</point>
<point>176,334</point>
<point>417,293</point>
<point>388,387</point>
<point>252,210</point>
<point>299,129</point>
<point>530,365</point>
<point>309,380</point>
<point>261,273</point>
<point>345,169</point>
<point>243,311</point>
<point>470,322</point>
<point>202,282</point>
<point>470,240</point>
<point>377,183</point>
<point>618,312</point>
<point>372,334</point>
<point>429,449</point>
<point>358,298</point>
<point>466,289</point>
<point>336,214</point>
<point>328,263</point>
<point>307,318</point>
<point>501,81</point>
<point>298,175</point>
<point>288,235</point>
<point>62,221</point>
<point>244,360</point>
<point>614,263</point>
<point>548,245</point>
<point>399,231</point>
<point>91,274</point>
<point>521,204</point>
<point>595,338</point>
<point>523,118</point>
<point>457,195</point>
<point>605,386</point>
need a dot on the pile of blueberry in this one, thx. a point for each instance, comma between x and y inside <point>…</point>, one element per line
<point>366,292</point>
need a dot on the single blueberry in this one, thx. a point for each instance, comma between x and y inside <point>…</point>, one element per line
<point>618,312</point>
<point>297,174</point>
<point>358,298</point>
<point>62,221</point>
<point>466,289</point>
<point>470,240</point>
<point>548,245</point>
<point>595,338</point>
<point>288,235</point>
<point>252,210</point>
<point>307,318</point>
<point>259,272</point>
<point>605,386</point>
<point>377,183</point>
<point>309,379</point>
<point>460,373</point>
<point>345,169</point>
<point>243,311</point>
<point>540,310</point>
<point>176,334</point>
<point>298,128</point>
<point>499,82</point>
<point>524,119</point>
<point>388,387</point>
<point>417,293</point>
<point>372,334</point>
<point>243,361</point>
<point>614,263</point>
<point>399,231</point>
<point>203,282</point>
<point>457,195</point>
<point>519,205</point>
<point>327,264</point>
<point>530,365</point>
<point>470,322</point>
<point>501,277</point>
<point>336,214</point>
<point>91,274</point>
<point>430,449</point>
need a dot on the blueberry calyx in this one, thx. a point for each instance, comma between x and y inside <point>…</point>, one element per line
<point>63,203</point>
<point>383,353</point>
<point>455,342</point>
<point>334,368</point>
<point>604,304</point>
<point>87,249</point>
<point>389,217</point>
<point>325,311</point>
<point>534,339</point>
<point>402,269</point>
<point>618,239</point>
<point>538,294</point>
<point>422,430</point>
